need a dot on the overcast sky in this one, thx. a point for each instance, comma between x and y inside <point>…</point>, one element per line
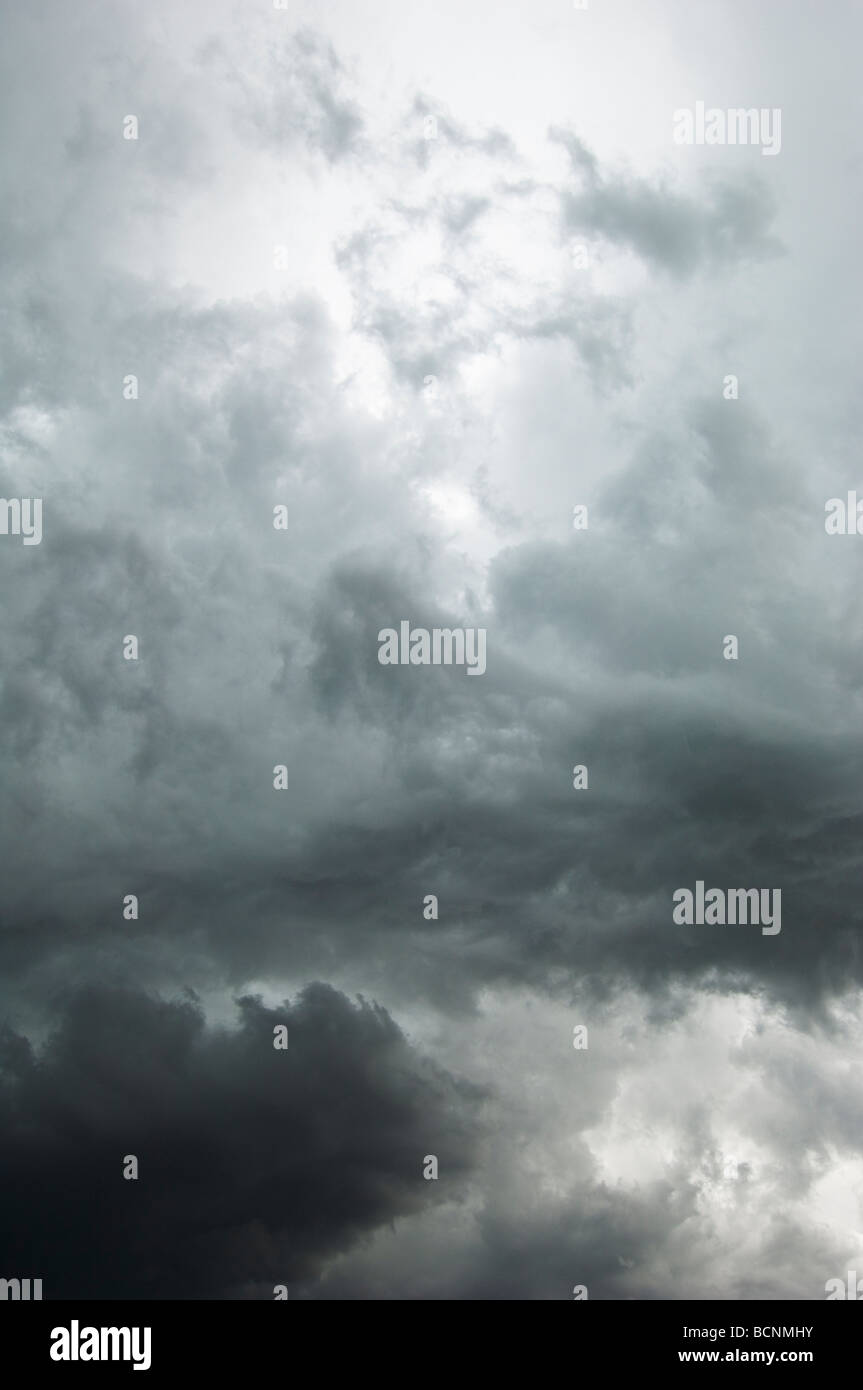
<point>431,276</point>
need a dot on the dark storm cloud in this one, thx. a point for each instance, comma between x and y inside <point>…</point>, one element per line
<point>413,257</point>
<point>681,788</point>
<point>255,1164</point>
<point>440,783</point>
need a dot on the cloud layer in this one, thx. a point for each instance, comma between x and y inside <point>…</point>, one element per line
<point>430,300</point>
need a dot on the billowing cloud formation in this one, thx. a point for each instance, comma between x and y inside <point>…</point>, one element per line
<point>430,315</point>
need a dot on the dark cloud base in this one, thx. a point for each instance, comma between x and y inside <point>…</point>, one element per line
<point>255,1164</point>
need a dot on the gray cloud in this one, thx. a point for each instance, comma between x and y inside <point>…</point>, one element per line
<point>307,385</point>
<point>677,232</point>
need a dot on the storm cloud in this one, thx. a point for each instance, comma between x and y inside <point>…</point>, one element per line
<point>431,303</point>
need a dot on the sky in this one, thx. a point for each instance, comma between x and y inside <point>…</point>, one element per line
<point>431,278</point>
